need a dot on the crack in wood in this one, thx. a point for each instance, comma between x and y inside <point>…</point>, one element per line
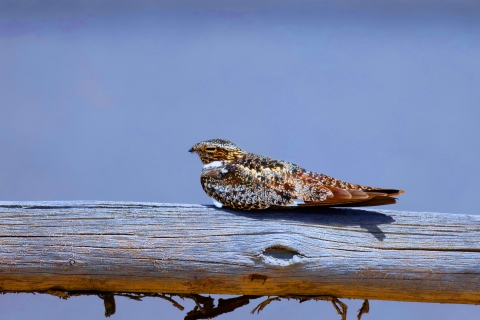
<point>430,249</point>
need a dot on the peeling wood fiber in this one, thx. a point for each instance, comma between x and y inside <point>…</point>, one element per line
<point>178,248</point>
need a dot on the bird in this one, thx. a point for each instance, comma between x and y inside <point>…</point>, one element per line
<point>235,178</point>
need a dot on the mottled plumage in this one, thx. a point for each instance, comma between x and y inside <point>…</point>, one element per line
<point>242,180</point>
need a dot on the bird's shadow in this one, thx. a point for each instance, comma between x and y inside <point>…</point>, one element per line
<point>342,217</point>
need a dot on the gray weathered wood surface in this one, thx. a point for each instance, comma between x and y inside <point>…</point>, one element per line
<point>177,248</point>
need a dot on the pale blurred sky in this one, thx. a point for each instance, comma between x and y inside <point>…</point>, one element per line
<point>100,100</point>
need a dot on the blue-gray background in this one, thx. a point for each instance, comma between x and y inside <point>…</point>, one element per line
<point>101,100</point>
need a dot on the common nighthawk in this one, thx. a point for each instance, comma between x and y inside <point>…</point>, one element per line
<point>242,180</point>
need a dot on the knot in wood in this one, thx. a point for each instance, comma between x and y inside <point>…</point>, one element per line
<point>281,256</point>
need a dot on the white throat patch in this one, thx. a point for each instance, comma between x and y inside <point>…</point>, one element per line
<point>214,164</point>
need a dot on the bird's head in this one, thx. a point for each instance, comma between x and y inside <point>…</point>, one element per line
<point>217,150</point>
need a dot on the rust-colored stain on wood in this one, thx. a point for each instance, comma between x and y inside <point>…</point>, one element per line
<point>255,276</point>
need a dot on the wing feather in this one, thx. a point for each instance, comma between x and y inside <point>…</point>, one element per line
<point>340,194</point>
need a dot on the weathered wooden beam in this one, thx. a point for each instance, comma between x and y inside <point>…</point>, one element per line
<point>178,248</point>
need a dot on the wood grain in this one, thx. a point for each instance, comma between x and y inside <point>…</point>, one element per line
<point>178,248</point>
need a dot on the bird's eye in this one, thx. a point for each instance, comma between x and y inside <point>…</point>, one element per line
<point>210,149</point>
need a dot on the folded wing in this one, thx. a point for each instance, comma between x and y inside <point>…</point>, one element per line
<point>346,194</point>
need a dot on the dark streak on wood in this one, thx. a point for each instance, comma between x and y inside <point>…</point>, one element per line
<point>255,276</point>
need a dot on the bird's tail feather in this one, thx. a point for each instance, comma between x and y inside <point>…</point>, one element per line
<point>357,198</point>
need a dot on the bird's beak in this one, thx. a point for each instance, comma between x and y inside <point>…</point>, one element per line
<point>191,150</point>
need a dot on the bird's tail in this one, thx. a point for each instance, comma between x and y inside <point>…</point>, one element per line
<point>358,198</point>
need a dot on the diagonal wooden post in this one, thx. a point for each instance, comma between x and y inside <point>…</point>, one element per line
<point>178,248</point>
